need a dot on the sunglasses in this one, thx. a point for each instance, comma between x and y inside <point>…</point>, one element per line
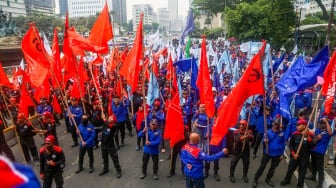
<point>48,144</point>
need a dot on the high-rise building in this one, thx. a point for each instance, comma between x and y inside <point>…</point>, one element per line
<point>310,6</point>
<point>13,8</point>
<point>173,9</point>
<point>84,8</point>
<point>43,6</point>
<point>63,7</point>
<point>163,19</point>
<point>148,12</point>
<point>119,11</point>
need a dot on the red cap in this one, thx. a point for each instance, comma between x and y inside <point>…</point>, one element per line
<point>21,116</point>
<point>47,114</point>
<point>301,121</point>
<point>12,99</point>
<point>50,139</point>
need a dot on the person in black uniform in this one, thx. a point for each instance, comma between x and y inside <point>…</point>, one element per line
<point>52,161</point>
<point>26,134</point>
<point>299,159</point>
<point>239,137</point>
<point>4,148</point>
<point>108,146</point>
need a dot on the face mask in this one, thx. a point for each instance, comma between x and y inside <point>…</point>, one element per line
<point>49,147</point>
<point>85,121</point>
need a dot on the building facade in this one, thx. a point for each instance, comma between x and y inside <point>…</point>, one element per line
<point>13,8</point>
<point>84,8</point>
<point>173,9</point>
<point>310,7</point>
<point>119,11</point>
<point>42,6</point>
<point>147,10</point>
<point>163,19</point>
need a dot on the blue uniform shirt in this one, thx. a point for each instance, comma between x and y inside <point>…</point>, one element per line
<point>88,134</point>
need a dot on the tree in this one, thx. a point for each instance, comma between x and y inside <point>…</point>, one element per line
<point>155,26</point>
<point>262,19</point>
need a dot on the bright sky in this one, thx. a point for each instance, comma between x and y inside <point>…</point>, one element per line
<point>182,9</point>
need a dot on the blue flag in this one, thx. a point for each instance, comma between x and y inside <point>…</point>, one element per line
<point>277,63</point>
<point>300,76</point>
<point>194,74</point>
<point>180,91</point>
<point>190,26</point>
<point>153,89</point>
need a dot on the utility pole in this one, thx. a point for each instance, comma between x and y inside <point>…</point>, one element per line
<point>331,16</point>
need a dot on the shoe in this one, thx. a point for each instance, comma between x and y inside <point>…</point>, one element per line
<point>65,132</point>
<point>122,144</point>
<point>216,176</point>
<point>331,162</point>
<point>254,184</point>
<point>284,183</point>
<point>155,177</point>
<point>103,172</point>
<point>245,178</point>
<point>232,179</point>
<point>311,177</point>
<point>163,150</point>
<point>118,147</point>
<point>170,174</point>
<point>130,134</point>
<point>119,174</point>
<point>90,170</point>
<point>254,156</point>
<point>96,147</point>
<point>74,145</point>
<point>137,148</point>
<point>269,182</point>
<point>143,175</point>
<point>79,170</point>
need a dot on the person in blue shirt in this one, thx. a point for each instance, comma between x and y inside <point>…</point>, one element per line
<point>88,134</point>
<point>120,111</point>
<point>76,113</point>
<point>261,128</point>
<point>151,149</point>
<point>156,112</point>
<point>201,125</point>
<point>322,136</point>
<point>276,147</point>
<point>192,158</point>
<point>43,106</point>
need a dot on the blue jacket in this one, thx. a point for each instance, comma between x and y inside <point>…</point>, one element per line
<point>77,112</point>
<point>120,112</point>
<point>253,116</point>
<point>322,144</point>
<point>276,143</point>
<point>43,108</point>
<point>192,158</point>
<point>303,100</point>
<point>291,127</point>
<point>154,137</point>
<point>159,115</point>
<point>260,123</point>
<point>88,134</point>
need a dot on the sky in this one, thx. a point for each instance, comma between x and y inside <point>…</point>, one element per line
<point>182,4</point>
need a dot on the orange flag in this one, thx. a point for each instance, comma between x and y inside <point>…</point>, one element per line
<point>56,106</point>
<point>56,65</point>
<point>174,129</point>
<point>3,78</point>
<point>131,67</point>
<point>68,59</point>
<point>75,90</point>
<point>169,68</point>
<point>36,57</point>
<point>101,31</point>
<point>204,83</point>
<point>43,90</point>
<point>251,83</point>
<point>25,101</point>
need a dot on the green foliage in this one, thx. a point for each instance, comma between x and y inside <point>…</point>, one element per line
<point>314,19</point>
<point>262,19</point>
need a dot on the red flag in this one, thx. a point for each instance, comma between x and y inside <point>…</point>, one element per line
<point>98,60</point>
<point>169,68</point>
<point>101,31</point>
<point>75,90</point>
<point>204,83</point>
<point>68,61</point>
<point>328,87</point>
<point>3,78</point>
<point>56,106</point>
<point>56,65</point>
<point>251,83</point>
<point>114,60</point>
<point>35,55</point>
<point>42,91</point>
<point>174,129</point>
<point>131,67</point>
<point>25,101</point>
<point>77,41</point>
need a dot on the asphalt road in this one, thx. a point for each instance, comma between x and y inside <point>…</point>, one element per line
<point>131,161</point>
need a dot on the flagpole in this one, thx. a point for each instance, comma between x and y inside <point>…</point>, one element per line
<point>95,85</point>
<point>14,126</point>
<point>310,118</point>
<point>248,120</point>
<point>78,86</point>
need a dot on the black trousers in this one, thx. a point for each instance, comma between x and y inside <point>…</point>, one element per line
<point>120,128</point>
<point>145,159</point>
<point>302,163</point>
<point>265,159</point>
<point>245,156</point>
<point>216,164</point>
<point>257,142</point>
<point>58,178</point>
<point>176,150</point>
<point>128,124</point>
<point>114,156</point>
<point>73,132</point>
<point>82,151</point>
<point>28,145</point>
<point>317,165</point>
<point>143,138</point>
<point>4,148</point>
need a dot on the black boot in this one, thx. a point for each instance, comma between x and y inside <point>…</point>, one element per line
<point>119,174</point>
<point>103,172</point>
<point>216,176</point>
<point>80,168</point>
<point>206,174</point>
<point>91,169</point>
